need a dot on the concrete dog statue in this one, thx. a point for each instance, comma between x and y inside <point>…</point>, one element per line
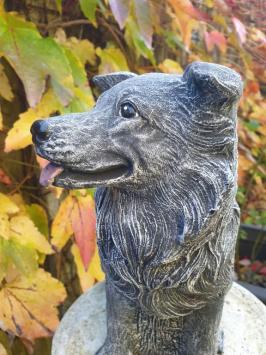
<point>162,151</point>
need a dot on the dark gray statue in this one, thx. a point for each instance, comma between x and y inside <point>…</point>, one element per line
<point>162,151</point>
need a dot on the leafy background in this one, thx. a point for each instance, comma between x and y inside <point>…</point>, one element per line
<point>49,51</point>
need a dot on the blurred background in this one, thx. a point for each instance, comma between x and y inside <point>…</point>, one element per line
<point>49,51</point>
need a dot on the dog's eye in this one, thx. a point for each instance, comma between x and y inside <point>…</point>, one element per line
<point>127,110</point>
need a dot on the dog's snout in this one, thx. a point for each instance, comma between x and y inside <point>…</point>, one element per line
<point>40,130</point>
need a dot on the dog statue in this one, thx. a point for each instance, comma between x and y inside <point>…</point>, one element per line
<point>162,151</point>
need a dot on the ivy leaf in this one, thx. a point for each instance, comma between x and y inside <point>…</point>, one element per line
<point>83,219</point>
<point>144,20</point>
<point>120,10</point>
<point>19,135</point>
<point>88,8</point>
<point>5,89</point>
<point>112,59</point>
<point>34,59</point>
<point>28,305</point>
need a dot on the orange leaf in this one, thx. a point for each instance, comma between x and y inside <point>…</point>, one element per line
<point>28,305</point>
<point>83,219</point>
<point>215,38</point>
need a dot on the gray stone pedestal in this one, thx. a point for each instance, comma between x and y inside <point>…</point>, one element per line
<point>83,329</point>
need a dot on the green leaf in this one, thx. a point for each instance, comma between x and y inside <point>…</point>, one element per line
<point>112,59</point>
<point>25,259</point>
<point>77,68</point>
<point>88,8</point>
<point>135,40</point>
<point>35,59</point>
<point>39,218</point>
<point>144,20</point>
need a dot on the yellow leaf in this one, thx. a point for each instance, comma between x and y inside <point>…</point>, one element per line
<point>61,227</point>
<point>4,226</point>
<point>7,206</point>
<point>94,272</point>
<point>5,89</point>
<point>3,350</point>
<point>28,305</point>
<point>19,136</point>
<point>112,60</point>
<point>23,230</point>
<point>171,67</point>
<point>1,121</point>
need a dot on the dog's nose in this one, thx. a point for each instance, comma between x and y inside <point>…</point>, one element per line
<point>40,130</point>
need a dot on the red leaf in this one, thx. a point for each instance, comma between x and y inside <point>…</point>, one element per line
<point>120,10</point>
<point>83,219</point>
<point>256,266</point>
<point>240,29</point>
<point>215,38</point>
<point>4,179</point>
<point>263,271</point>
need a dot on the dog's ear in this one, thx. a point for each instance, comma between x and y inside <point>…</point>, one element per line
<point>106,81</point>
<point>215,80</point>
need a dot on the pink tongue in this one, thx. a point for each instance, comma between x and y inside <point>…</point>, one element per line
<point>49,172</point>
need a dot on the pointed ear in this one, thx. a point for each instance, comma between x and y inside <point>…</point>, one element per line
<point>214,79</point>
<point>106,81</point>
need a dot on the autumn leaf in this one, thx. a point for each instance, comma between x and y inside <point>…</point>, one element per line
<point>61,229</point>
<point>88,7</point>
<point>7,206</point>
<point>83,219</point>
<point>4,178</point>
<point>94,272</point>
<point>171,67</point>
<point>34,59</point>
<point>1,121</point>
<point>144,20</point>
<point>19,135</point>
<point>120,10</point>
<point>240,30</point>
<point>215,38</point>
<point>5,88</point>
<point>38,215</point>
<point>28,305</point>
<point>112,59</point>
<point>23,230</point>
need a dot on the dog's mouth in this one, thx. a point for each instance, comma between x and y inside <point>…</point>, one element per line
<point>58,175</point>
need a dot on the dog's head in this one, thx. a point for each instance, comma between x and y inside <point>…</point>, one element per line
<point>144,128</point>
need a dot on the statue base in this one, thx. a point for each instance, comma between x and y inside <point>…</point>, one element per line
<point>82,330</point>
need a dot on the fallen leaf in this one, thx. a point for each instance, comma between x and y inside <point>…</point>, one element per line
<point>28,305</point>
<point>171,67</point>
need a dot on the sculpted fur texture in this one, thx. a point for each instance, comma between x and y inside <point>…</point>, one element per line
<point>162,150</point>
